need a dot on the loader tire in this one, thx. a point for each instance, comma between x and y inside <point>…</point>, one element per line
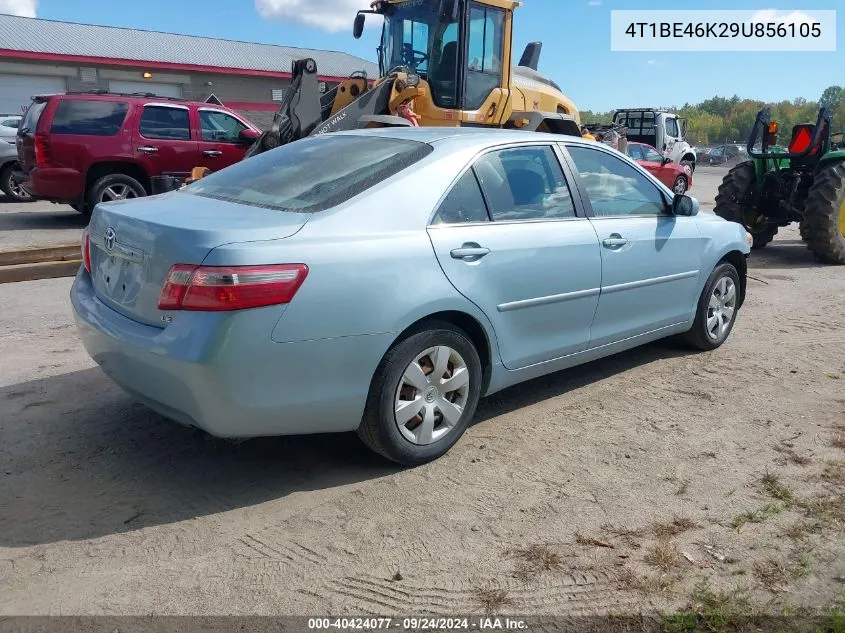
<point>823,227</point>
<point>733,203</point>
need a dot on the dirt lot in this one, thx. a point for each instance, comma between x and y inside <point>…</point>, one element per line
<point>717,478</point>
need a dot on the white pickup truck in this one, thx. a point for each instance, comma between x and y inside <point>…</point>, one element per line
<point>661,129</point>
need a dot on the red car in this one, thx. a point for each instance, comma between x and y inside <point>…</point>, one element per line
<point>86,148</point>
<point>677,177</point>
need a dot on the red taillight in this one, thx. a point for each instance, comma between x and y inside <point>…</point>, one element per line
<point>43,151</point>
<point>224,288</point>
<point>86,250</point>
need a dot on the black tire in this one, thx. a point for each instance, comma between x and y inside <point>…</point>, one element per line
<point>734,200</point>
<point>690,164</point>
<point>682,183</point>
<point>823,227</point>
<point>379,429</point>
<point>10,187</point>
<point>97,191</point>
<point>698,336</point>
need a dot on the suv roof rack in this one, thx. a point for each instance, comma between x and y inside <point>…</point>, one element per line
<point>146,95</point>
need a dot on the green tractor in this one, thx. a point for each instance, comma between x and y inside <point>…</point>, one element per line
<point>804,182</point>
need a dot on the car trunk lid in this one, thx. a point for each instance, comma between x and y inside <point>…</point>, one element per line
<point>134,243</point>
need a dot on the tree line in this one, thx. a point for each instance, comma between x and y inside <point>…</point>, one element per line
<point>731,119</point>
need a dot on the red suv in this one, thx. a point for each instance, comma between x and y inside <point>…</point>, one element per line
<point>86,148</point>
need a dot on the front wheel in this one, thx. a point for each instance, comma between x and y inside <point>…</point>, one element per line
<point>689,164</point>
<point>717,309</point>
<point>11,187</point>
<point>423,395</point>
<point>680,185</point>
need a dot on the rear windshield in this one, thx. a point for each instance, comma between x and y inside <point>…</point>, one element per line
<point>29,125</point>
<point>89,118</point>
<point>312,174</point>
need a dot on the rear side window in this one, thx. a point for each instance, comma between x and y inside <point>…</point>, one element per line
<point>162,122</point>
<point>32,116</point>
<point>313,174</point>
<point>89,118</point>
<point>463,204</point>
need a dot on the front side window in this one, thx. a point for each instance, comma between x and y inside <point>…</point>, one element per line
<point>651,155</point>
<point>417,37</point>
<point>525,183</point>
<point>166,123</point>
<point>220,127</point>
<point>484,58</point>
<point>87,117</point>
<point>672,127</point>
<point>463,204</point>
<point>635,152</point>
<point>615,188</point>
<point>313,174</point>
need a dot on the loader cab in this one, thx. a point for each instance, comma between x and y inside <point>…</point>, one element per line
<point>457,46</point>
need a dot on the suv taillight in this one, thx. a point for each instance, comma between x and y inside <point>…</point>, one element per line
<point>43,151</point>
<point>227,288</point>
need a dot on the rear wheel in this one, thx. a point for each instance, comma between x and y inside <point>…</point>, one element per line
<point>734,200</point>
<point>823,227</point>
<point>717,309</point>
<point>423,395</point>
<point>113,187</point>
<point>11,187</point>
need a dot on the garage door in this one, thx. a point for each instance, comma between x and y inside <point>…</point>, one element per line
<point>162,90</point>
<point>16,90</point>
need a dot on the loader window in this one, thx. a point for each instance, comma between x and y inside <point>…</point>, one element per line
<point>484,58</point>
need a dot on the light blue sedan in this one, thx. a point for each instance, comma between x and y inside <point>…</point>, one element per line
<point>385,280</point>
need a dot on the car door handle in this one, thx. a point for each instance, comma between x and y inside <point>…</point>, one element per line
<point>470,252</point>
<point>614,241</point>
<point>148,150</point>
<point>212,152</point>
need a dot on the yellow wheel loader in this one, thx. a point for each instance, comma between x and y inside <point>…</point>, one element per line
<point>442,63</point>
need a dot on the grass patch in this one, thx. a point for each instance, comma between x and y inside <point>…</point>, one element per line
<point>790,456</point>
<point>802,529</point>
<point>492,600</point>
<point>775,574</point>
<point>628,579</point>
<point>833,473</point>
<point>535,559</point>
<point>711,611</point>
<point>825,509</point>
<point>664,556</point>
<point>683,487</point>
<point>757,516</point>
<point>775,489</point>
<point>678,525</point>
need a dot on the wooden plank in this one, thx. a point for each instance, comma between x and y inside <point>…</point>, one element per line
<point>36,255</point>
<point>39,270</point>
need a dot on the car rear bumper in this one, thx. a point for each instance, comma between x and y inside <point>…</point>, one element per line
<point>54,183</point>
<point>230,380</point>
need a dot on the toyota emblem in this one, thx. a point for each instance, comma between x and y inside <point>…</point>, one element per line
<point>109,239</point>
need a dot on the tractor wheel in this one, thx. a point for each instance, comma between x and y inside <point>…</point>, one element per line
<point>824,215</point>
<point>732,204</point>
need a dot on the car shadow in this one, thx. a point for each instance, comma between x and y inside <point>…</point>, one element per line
<point>783,254</point>
<point>553,385</point>
<point>82,461</point>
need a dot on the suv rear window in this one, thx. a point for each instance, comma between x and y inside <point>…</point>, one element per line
<point>312,174</point>
<point>89,118</point>
<point>32,116</point>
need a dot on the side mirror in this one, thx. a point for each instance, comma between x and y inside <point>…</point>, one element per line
<point>448,10</point>
<point>248,136</point>
<point>685,206</point>
<point>358,28</point>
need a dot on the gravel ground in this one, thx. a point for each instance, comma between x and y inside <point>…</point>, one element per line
<point>725,466</point>
<point>24,225</point>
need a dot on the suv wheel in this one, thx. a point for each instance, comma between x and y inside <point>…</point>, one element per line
<point>11,187</point>
<point>113,187</point>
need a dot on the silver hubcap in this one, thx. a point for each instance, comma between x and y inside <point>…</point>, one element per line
<point>432,395</point>
<point>722,308</point>
<point>118,192</point>
<point>680,185</point>
<point>16,189</point>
